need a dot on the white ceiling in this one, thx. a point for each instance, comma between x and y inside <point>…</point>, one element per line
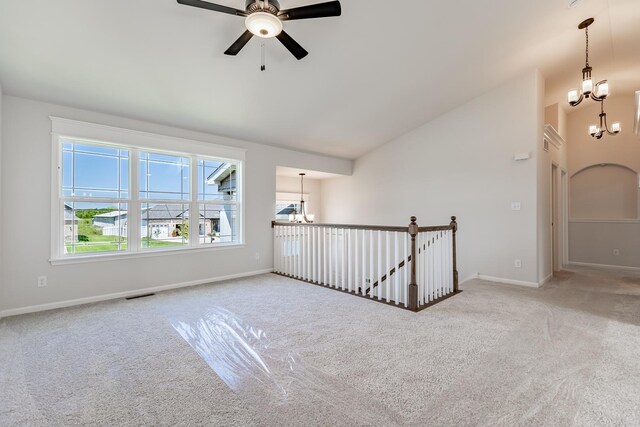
<point>295,173</point>
<point>378,71</point>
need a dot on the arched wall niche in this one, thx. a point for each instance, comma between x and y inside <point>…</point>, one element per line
<point>605,191</point>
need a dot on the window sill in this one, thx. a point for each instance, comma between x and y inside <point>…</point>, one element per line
<point>80,259</point>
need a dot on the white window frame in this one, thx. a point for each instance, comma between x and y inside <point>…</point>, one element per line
<point>136,141</point>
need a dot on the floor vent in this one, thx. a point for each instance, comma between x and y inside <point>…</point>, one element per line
<point>140,296</point>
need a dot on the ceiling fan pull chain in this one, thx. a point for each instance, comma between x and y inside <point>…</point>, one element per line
<point>263,67</point>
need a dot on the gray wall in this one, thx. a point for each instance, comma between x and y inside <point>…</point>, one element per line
<point>26,169</point>
<point>594,242</point>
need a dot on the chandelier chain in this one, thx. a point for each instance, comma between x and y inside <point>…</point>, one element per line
<point>586,32</point>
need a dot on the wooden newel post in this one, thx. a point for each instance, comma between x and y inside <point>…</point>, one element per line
<point>412,300</point>
<point>454,228</point>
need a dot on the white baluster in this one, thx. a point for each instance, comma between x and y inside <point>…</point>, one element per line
<point>363,279</point>
<point>371,263</point>
<point>379,248</point>
<point>325,259</point>
<point>421,268</point>
<point>298,249</point>
<point>353,257</point>
<point>349,259</point>
<point>344,261</point>
<point>396,263</point>
<point>280,251</point>
<point>438,264</point>
<point>387,238</point>
<point>291,250</point>
<point>319,254</point>
<point>301,271</point>
<point>312,254</point>
<point>309,254</point>
<point>428,261</point>
<point>405,272</point>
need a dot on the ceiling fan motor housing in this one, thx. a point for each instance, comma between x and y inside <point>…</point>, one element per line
<point>260,6</point>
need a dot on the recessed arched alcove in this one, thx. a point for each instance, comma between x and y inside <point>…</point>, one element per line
<point>605,191</point>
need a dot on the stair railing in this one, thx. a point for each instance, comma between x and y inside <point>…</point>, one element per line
<point>410,267</point>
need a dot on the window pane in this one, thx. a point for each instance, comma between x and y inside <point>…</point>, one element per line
<point>285,208</point>
<point>216,180</point>
<point>94,227</point>
<point>164,225</point>
<point>164,177</point>
<point>93,171</point>
<point>218,224</point>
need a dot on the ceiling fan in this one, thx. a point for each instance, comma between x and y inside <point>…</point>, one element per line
<point>263,18</point>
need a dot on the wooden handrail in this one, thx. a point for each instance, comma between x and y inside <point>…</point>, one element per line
<point>343,226</point>
<point>435,228</point>
<point>362,227</point>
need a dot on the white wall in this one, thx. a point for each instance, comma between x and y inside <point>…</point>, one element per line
<point>459,164</point>
<point>26,169</point>
<point>2,296</point>
<point>312,187</point>
<point>605,192</point>
<point>622,149</point>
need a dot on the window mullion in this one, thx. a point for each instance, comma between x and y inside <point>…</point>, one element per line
<point>194,209</point>
<point>133,221</point>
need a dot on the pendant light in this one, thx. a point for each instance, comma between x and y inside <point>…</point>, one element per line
<point>597,92</point>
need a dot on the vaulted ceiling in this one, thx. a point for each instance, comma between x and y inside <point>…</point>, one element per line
<point>378,71</point>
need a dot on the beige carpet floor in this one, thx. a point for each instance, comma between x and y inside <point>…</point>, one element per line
<point>272,351</point>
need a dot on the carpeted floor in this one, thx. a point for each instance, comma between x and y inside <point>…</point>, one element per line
<point>272,351</point>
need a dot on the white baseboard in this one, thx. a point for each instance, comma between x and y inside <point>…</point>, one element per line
<point>125,294</point>
<point>473,276</point>
<point>604,266</point>
<point>509,281</point>
<point>545,280</point>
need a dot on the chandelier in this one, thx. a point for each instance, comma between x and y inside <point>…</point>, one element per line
<point>597,92</point>
<point>598,131</point>
<point>301,217</point>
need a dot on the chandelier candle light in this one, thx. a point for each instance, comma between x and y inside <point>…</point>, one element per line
<point>598,91</point>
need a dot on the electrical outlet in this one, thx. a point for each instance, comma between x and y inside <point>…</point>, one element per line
<point>616,252</point>
<point>517,263</point>
<point>515,206</point>
<point>42,281</point>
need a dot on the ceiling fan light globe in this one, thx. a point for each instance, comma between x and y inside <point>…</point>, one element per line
<point>263,24</point>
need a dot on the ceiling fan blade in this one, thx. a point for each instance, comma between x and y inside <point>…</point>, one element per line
<point>292,45</point>
<point>212,6</point>
<point>321,10</point>
<point>237,46</point>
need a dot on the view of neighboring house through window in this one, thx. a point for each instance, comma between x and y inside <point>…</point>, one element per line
<point>96,199</point>
<point>285,208</point>
<point>165,193</point>
<point>217,201</point>
<point>95,181</point>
